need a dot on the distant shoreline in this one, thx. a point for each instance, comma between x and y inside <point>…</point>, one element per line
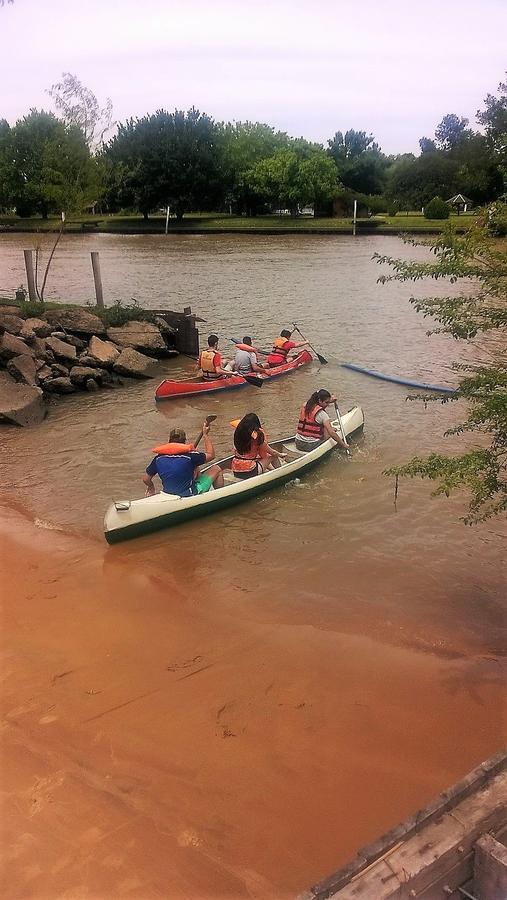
<point>216,224</point>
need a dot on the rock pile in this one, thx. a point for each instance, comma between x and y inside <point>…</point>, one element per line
<point>69,350</point>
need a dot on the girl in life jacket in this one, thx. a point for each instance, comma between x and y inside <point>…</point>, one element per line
<point>314,425</point>
<point>281,348</point>
<point>252,453</point>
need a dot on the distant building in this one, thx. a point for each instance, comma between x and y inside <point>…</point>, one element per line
<point>459,203</point>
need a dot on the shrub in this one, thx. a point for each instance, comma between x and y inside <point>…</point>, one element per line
<point>497,219</point>
<point>119,314</point>
<point>32,309</point>
<point>436,209</point>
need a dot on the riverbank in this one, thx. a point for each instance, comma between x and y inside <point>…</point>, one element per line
<point>223,224</point>
<point>157,732</point>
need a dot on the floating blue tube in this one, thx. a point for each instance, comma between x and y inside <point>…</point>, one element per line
<point>397,380</point>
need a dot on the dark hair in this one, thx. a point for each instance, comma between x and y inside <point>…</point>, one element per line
<point>285,333</point>
<point>213,340</point>
<point>321,396</point>
<point>247,340</point>
<point>244,431</point>
<point>177,435</point>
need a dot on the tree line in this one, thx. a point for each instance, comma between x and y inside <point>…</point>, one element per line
<point>51,162</point>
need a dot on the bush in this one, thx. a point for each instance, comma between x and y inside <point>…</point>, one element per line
<point>117,315</point>
<point>497,219</point>
<point>32,309</point>
<point>436,209</point>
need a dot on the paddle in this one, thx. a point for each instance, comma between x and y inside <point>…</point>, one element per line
<point>319,356</point>
<point>340,423</point>
<point>208,420</point>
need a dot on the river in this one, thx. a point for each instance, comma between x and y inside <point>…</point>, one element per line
<point>378,624</point>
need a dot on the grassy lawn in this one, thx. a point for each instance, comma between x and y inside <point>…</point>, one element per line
<point>202,222</point>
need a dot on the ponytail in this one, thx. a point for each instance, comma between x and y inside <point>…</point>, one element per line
<point>318,397</point>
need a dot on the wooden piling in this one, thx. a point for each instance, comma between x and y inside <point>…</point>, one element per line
<point>97,278</point>
<point>30,277</point>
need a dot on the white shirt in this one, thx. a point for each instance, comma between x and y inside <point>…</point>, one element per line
<point>243,361</point>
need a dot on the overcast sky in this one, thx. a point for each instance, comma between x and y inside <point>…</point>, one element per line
<point>308,67</point>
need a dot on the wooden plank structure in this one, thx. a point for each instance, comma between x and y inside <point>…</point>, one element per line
<point>186,333</point>
<point>433,854</point>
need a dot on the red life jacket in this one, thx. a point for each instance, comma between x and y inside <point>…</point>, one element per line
<point>307,426</point>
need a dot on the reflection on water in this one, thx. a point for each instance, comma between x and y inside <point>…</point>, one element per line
<point>335,541</point>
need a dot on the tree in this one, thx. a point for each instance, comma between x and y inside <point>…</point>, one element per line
<point>46,165</point>
<point>451,131</point>
<point>482,470</point>
<point>413,182</point>
<point>168,159</point>
<point>243,145</point>
<point>286,181</point>
<point>494,120</point>
<point>79,107</point>
<point>351,144</point>
<point>359,161</point>
<point>436,209</point>
<point>427,145</point>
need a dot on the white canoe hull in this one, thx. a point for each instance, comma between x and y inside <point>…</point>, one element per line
<point>125,519</point>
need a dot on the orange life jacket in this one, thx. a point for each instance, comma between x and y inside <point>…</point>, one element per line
<point>307,425</point>
<point>245,462</point>
<point>207,362</point>
<point>279,348</point>
<point>173,448</point>
<point>247,347</point>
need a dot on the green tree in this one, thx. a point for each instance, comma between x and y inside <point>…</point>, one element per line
<point>244,144</point>
<point>436,209</point>
<point>494,120</point>
<point>167,158</point>
<point>351,144</point>
<point>413,182</point>
<point>288,182</point>
<point>46,165</point>
<point>451,131</point>
<point>427,145</point>
<point>359,161</point>
<point>482,470</point>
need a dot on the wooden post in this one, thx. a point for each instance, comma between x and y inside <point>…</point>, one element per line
<point>167,220</point>
<point>30,277</point>
<point>355,217</point>
<point>97,278</point>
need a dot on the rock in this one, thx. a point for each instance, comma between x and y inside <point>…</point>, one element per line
<point>104,352</point>
<point>76,320</point>
<point>81,374</point>
<point>59,386</point>
<point>12,324</point>
<point>44,373</point>
<point>74,341</point>
<point>11,346</point>
<point>38,346</point>
<point>10,311</point>
<point>133,364</point>
<point>58,370</point>
<point>91,385</point>
<point>24,369</point>
<point>86,360</point>
<point>41,328</point>
<point>164,326</point>
<point>20,404</point>
<point>140,335</point>
<point>60,348</point>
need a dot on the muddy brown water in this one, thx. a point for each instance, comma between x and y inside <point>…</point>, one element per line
<point>345,655</point>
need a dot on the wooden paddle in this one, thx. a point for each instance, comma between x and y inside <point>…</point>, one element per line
<point>208,420</point>
<point>319,356</point>
<point>342,430</point>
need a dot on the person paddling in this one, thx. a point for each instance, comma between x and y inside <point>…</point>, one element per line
<point>281,348</point>
<point>245,360</point>
<point>314,425</point>
<point>252,453</point>
<point>210,361</point>
<point>177,465</point>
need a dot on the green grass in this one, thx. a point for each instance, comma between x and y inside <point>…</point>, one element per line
<point>202,222</point>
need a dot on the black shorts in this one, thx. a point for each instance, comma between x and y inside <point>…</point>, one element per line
<point>257,470</point>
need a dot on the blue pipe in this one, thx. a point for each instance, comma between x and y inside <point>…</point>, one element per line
<point>398,380</point>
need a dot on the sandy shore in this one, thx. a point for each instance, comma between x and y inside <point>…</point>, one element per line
<point>155,744</point>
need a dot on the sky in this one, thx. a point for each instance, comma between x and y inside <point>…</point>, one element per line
<point>307,67</point>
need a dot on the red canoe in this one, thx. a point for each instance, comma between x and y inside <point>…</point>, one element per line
<point>168,389</point>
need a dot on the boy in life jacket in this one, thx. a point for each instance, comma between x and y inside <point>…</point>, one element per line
<point>245,360</point>
<point>314,425</point>
<point>281,348</point>
<point>177,465</point>
<point>210,361</point>
<point>252,453</point>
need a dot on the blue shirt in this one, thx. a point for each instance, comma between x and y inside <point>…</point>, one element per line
<point>176,471</point>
